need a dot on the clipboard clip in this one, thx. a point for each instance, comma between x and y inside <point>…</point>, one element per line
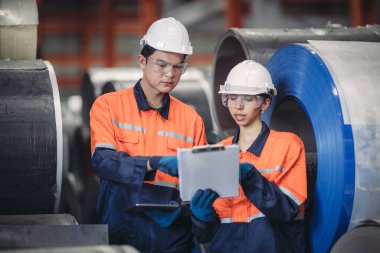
<point>207,148</point>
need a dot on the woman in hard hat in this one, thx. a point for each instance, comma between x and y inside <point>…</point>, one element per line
<point>133,133</point>
<point>268,215</point>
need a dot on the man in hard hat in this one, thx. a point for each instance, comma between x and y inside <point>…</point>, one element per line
<point>268,215</point>
<point>134,137</point>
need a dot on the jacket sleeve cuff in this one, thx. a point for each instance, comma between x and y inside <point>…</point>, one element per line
<point>154,162</point>
<point>204,231</point>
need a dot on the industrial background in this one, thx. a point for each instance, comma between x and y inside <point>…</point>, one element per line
<point>62,54</point>
<point>75,35</point>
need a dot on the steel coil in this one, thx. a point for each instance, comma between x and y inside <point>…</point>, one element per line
<point>30,138</point>
<point>360,239</point>
<point>18,29</point>
<point>81,249</point>
<point>328,94</point>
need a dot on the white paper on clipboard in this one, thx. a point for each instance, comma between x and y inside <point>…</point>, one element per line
<point>211,166</point>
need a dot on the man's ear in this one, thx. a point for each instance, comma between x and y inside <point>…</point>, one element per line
<point>141,60</point>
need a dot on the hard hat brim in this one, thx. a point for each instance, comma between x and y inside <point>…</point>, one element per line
<point>242,90</point>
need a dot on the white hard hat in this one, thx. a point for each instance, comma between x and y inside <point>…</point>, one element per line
<point>248,78</point>
<point>168,34</point>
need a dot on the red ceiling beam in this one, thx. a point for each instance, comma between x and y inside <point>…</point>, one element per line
<point>148,13</point>
<point>233,13</point>
<point>362,12</point>
<point>108,33</point>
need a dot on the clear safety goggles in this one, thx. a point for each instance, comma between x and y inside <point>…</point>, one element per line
<point>164,67</point>
<point>245,101</point>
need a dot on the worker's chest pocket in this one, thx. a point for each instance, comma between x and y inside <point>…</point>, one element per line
<point>128,141</point>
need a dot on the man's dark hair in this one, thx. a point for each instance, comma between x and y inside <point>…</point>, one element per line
<point>147,51</point>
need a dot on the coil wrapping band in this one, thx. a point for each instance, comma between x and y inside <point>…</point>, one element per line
<point>335,84</point>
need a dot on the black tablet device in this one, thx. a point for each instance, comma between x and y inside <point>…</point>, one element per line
<point>141,207</point>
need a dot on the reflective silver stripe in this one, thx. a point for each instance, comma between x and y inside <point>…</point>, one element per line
<point>279,168</point>
<point>175,135</point>
<point>290,195</point>
<point>105,145</point>
<point>129,126</point>
<point>167,184</point>
<point>265,170</point>
<point>258,215</point>
<point>249,219</point>
<point>226,220</point>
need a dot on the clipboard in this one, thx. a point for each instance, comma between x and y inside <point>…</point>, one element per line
<point>211,166</point>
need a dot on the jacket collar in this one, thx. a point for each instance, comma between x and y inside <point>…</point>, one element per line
<point>258,145</point>
<point>143,105</point>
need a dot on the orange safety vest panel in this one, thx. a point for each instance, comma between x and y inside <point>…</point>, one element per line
<point>282,161</point>
<point>117,123</point>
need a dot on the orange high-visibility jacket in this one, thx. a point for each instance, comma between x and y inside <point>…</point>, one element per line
<point>125,134</point>
<point>268,214</point>
<point>117,123</point>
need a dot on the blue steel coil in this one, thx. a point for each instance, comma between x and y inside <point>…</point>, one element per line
<point>324,79</point>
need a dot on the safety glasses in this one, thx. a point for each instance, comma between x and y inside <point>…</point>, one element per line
<point>244,101</point>
<point>164,67</point>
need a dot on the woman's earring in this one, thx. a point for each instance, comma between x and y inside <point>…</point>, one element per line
<point>262,111</point>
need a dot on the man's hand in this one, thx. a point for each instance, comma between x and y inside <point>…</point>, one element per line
<point>169,165</point>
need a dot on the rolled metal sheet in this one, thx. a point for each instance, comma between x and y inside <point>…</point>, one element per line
<point>336,85</point>
<point>18,29</point>
<point>360,239</point>
<point>38,219</point>
<point>41,236</point>
<point>30,138</point>
<point>236,45</point>
<point>82,249</point>
<point>18,12</point>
